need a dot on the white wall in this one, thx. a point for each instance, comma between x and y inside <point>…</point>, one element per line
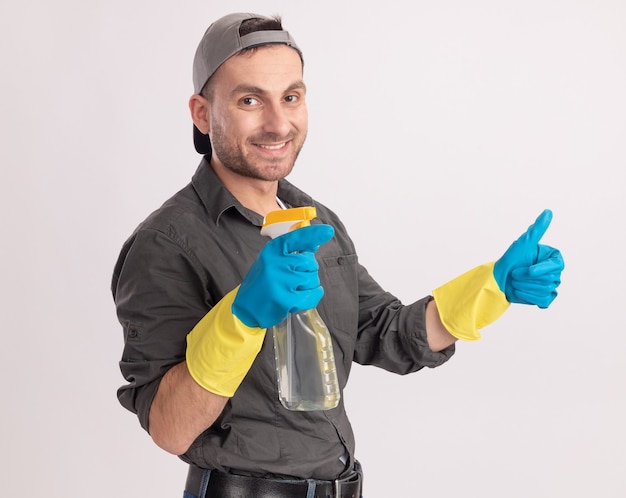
<point>438,130</point>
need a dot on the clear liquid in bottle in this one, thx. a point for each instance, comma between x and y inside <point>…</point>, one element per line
<point>305,363</point>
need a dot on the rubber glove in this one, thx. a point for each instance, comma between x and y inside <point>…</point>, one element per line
<point>283,278</point>
<point>527,273</point>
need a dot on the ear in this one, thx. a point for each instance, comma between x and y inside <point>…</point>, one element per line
<point>199,107</point>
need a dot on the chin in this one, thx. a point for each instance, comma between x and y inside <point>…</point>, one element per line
<point>275,173</point>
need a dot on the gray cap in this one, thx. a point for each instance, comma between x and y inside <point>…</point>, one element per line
<point>219,43</point>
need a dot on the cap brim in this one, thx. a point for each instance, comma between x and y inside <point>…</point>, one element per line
<point>201,141</point>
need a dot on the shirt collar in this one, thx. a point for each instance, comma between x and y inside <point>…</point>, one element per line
<point>217,199</point>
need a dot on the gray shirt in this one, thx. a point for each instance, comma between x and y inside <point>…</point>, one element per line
<point>183,259</point>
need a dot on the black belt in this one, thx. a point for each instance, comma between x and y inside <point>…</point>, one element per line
<point>233,486</point>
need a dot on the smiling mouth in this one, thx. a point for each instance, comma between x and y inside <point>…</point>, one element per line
<point>272,146</point>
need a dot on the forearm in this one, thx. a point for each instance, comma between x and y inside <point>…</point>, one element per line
<point>182,410</point>
<point>438,336</point>
<point>220,350</point>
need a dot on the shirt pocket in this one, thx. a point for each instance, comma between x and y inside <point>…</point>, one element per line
<point>339,307</point>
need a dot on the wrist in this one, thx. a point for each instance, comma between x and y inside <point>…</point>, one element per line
<point>470,302</point>
<point>221,348</point>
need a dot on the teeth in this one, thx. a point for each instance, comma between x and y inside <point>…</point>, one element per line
<point>272,147</point>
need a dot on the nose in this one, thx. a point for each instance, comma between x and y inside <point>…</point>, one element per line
<point>276,120</point>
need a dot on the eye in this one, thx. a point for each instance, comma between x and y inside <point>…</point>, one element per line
<point>291,99</point>
<point>249,101</point>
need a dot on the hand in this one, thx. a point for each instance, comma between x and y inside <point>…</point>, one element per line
<point>528,272</point>
<point>283,279</point>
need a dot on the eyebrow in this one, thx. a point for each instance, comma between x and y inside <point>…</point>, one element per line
<point>244,88</point>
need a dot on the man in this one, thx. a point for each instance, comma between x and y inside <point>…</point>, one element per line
<point>197,287</point>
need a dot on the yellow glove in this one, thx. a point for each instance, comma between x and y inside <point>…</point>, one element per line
<point>221,348</point>
<point>470,302</point>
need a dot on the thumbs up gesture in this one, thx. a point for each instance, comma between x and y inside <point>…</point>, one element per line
<point>529,272</point>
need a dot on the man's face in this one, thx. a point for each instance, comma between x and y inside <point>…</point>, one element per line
<point>257,112</point>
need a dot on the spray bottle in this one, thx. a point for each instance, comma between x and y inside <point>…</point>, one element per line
<point>305,363</point>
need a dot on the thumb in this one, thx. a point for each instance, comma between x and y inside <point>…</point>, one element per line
<point>539,227</point>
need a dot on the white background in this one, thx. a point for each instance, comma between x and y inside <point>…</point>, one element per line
<point>438,131</point>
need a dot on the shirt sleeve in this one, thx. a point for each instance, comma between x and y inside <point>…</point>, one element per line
<point>160,295</point>
<point>392,335</point>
